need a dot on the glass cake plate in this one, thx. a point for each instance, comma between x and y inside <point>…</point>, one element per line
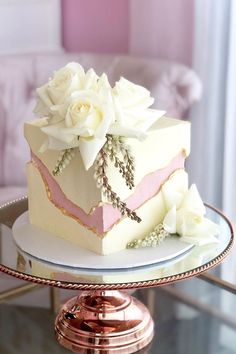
<point>103,319</point>
<point>44,246</point>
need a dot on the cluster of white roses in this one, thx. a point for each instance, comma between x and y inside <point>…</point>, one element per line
<point>82,108</point>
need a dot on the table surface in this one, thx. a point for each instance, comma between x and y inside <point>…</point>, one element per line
<point>190,317</point>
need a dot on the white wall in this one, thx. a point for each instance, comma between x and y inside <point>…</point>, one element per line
<point>30,26</point>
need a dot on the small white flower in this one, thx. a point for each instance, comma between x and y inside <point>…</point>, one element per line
<point>185,217</point>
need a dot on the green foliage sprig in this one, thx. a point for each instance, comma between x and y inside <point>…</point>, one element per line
<point>64,159</point>
<point>111,149</point>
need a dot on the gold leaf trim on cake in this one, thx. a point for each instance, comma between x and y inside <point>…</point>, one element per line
<point>172,175</point>
<point>182,153</point>
<point>93,229</point>
<point>101,203</point>
<point>63,210</point>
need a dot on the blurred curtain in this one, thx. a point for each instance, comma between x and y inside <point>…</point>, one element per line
<point>212,163</point>
<point>213,156</point>
<point>162,29</point>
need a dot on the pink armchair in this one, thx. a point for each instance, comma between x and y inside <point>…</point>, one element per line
<point>174,86</point>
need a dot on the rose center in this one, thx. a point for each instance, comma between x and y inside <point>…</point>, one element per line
<point>87,116</point>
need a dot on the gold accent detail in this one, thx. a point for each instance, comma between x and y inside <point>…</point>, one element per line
<point>49,194</point>
<point>63,210</point>
<point>102,203</point>
<point>21,262</point>
<point>93,229</point>
<point>170,176</point>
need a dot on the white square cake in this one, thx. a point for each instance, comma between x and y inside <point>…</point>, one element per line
<point>106,169</point>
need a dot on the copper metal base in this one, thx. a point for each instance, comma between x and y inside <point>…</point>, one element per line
<point>104,322</point>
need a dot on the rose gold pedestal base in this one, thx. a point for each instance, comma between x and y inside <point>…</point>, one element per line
<point>104,322</point>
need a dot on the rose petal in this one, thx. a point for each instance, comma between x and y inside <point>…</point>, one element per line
<point>91,79</point>
<point>171,198</point>
<point>131,93</point>
<point>43,95</point>
<point>193,201</point>
<point>76,68</point>
<point>41,110</point>
<point>200,230</point>
<point>103,128</point>
<point>187,222</point>
<point>59,132</point>
<point>89,148</point>
<point>207,228</point>
<point>103,83</point>
<point>169,221</point>
<point>56,118</point>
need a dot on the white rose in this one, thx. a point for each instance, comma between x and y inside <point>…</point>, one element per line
<point>187,219</point>
<point>133,115</point>
<point>87,117</point>
<point>82,108</point>
<point>64,81</point>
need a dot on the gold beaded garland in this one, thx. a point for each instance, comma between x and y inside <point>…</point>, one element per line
<point>153,239</point>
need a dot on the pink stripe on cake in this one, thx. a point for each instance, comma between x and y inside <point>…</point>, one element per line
<point>104,217</point>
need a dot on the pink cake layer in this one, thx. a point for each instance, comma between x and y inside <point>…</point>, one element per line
<point>103,217</point>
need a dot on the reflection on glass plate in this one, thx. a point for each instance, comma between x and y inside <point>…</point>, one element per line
<point>47,247</point>
<point>17,262</point>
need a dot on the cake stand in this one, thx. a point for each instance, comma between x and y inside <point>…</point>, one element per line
<point>104,318</point>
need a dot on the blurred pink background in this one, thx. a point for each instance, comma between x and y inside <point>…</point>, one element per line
<point>154,28</point>
<point>157,33</point>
